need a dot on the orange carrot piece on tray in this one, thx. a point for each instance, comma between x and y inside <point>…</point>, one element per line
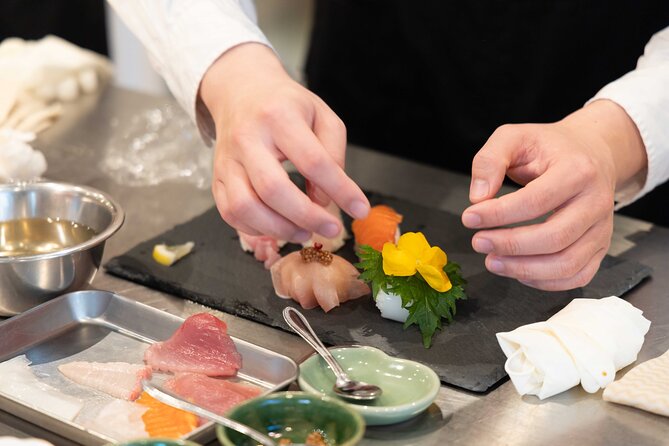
<point>162,420</point>
<point>380,226</point>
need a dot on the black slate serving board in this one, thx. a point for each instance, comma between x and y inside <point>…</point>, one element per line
<point>219,274</point>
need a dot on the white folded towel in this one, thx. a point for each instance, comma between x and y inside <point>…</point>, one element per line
<point>586,342</point>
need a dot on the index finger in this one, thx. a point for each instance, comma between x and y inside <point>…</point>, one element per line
<point>321,160</point>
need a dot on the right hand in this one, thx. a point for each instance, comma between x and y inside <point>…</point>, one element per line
<point>263,118</point>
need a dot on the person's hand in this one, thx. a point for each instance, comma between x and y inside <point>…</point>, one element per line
<point>263,118</point>
<point>570,171</point>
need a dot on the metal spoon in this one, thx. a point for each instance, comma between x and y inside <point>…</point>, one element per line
<point>344,386</point>
<point>173,400</point>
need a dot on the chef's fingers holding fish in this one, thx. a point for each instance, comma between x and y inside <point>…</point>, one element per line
<point>553,232</point>
<point>264,118</point>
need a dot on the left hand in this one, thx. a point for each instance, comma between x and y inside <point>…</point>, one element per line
<point>570,170</point>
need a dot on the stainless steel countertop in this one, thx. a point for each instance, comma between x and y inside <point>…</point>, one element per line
<point>74,146</point>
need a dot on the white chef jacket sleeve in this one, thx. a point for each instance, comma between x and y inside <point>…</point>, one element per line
<point>644,94</point>
<point>184,37</point>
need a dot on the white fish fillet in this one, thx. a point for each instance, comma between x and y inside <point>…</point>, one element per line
<point>20,383</point>
<point>118,379</point>
<point>120,420</point>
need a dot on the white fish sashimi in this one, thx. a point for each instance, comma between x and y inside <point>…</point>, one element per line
<point>118,379</point>
<point>120,420</point>
<point>19,382</point>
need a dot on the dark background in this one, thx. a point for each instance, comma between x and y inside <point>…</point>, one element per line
<point>81,22</point>
<point>399,38</point>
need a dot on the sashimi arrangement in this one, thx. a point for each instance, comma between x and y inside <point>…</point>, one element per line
<point>199,362</point>
<point>410,281</point>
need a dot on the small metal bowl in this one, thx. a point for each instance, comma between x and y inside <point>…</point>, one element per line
<point>27,280</point>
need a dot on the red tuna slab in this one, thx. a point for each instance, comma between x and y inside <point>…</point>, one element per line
<point>200,345</point>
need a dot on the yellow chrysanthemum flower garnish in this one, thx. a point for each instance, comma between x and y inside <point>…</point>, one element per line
<point>414,254</point>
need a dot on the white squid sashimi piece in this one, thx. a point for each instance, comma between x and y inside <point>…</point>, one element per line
<point>19,382</point>
<point>390,305</point>
<point>120,420</point>
<point>330,244</point>
<point>118,379</point>
<point>314,284</point>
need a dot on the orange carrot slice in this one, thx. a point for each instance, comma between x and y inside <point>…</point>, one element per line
<point>380,226</point>
<point>162,420</point>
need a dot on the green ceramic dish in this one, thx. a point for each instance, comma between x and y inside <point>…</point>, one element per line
<point>156,442</point>
<point>295,415</point>
<point>409,387</point>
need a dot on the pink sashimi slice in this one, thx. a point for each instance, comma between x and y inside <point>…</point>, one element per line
<point>314,284</point>
<point>118,379</point>
<point>264,248</point>
<point>215,394</point>
<point>200,345</point>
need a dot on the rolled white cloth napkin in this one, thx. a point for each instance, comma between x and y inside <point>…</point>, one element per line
<point>18,160</point>
<point>586,342</point>
<point>645,387</point>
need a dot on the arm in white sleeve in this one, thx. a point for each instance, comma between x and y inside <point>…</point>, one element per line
<point>184,37</point>
<point>644,94</point>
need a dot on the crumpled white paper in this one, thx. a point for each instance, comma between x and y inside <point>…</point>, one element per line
<point>19,161</point>
<point>586,342</point>
<point>38,76</point>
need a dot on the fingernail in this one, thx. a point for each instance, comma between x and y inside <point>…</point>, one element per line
<point>496,266</point>
<point>301,236</point>
<point>329,230</point>
<point>471,219</point>
<point>478,189</point>
<point>483,245</point>
<point>359,209</point>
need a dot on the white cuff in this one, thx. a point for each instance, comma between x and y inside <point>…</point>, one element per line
<point>644,95</point>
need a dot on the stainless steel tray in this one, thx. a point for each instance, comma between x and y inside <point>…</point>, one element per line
<point>103,326</point>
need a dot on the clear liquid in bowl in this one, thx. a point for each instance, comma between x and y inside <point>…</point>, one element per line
<point>33,236</point>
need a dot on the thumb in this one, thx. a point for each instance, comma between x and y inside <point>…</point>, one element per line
<point>492,162</point>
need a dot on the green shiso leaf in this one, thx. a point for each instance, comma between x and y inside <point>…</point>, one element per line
<point>427,306</point>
